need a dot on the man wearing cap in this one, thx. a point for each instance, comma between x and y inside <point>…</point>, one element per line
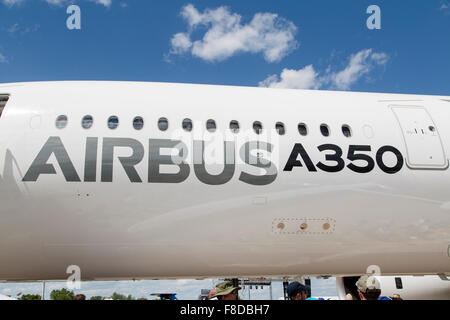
<point>297,291</point>
<point>368,288</point>
<point>226,291</point>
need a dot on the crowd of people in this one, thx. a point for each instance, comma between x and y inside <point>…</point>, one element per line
<point>368,288</point>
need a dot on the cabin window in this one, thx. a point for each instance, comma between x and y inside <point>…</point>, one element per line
<point>257,127</point>
<point>87,122</point>
<point>163,124</point>
<point>138,123</point>
<point>303,129</point>
<point>280,128</point>
<point>325,130</point>
<point>346,131</point>
<point>187,125</point>
<point>3,100</point>
<point>211,125</point>
<point>113,122</point>
<point>61,122</point>
<point>234,126</point>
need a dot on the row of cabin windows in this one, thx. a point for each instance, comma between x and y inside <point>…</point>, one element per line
<point>163,125</point>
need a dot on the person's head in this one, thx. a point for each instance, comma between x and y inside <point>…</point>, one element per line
<point>368,288</point>
<point>297,291</point>
<point>80,297</point>
<point>211,294</point>
<point>226,291</point>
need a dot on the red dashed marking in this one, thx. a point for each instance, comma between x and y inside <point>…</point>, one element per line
<point>276,230</point>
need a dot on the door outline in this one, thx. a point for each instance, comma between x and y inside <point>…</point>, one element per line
<point>423,167</point>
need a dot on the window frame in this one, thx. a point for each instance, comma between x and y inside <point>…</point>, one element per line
<point>346,126</point>
<point>59,120</point>
<point>83,121</point>
<point>135,119</point>
<point>327,127</point>
<point>283,126</point>
<point>255,123</point>
<point>302,124</point>
<point>161,120</point>
<point>109,122</point>
<point>211,121</point>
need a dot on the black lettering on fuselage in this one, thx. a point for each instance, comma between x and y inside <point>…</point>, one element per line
<point>156,160</point>
<point>128,163</point>
<point>90,162</point>
<point>271,169</point>
<point>336,157</point>
<point>200,166</point>
<point>360,161</point>
<point>293,162</point>
<point>353,156</point>
<point>40,166</point>
<point>400,161</point>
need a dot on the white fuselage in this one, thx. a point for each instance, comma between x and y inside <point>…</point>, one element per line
<point>104,200</point>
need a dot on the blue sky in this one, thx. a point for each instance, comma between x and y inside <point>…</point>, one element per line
<point>185,289</point>
<point>288,44</point>
<point>131,40</point>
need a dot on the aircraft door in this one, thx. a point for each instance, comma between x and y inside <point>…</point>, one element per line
<point>421,137</point>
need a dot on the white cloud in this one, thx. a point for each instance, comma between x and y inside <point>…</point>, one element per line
<point>306,78</point>
<point>106,3</point>
<point>12,2</point>
<point>445,7</point>
<point>13,28</point>
<point>359,65</point>
<point>55,2</point>
<point>266,33</point>
<point>18,29</point>
<point>180,43</point>
<point>3,58</point>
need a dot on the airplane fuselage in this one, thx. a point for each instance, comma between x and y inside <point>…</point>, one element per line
<point>307,183</point>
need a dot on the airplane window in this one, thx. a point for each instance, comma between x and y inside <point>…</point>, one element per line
<point>234,126</point>
<point>211,125</point>
<point>113,122</point>
<point>163,124</point>
<point>138,123</point>
<point>346,131</point>
<point>257,126</point>
<point>61,122</point>
<point>187,125</point>
<point>280,128</point>
<point>303,129</point>
<point>325,130</point>
<point>87,122</point>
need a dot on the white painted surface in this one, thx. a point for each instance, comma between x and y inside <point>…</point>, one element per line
<point>412,288</point>
<point>124,230</point>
